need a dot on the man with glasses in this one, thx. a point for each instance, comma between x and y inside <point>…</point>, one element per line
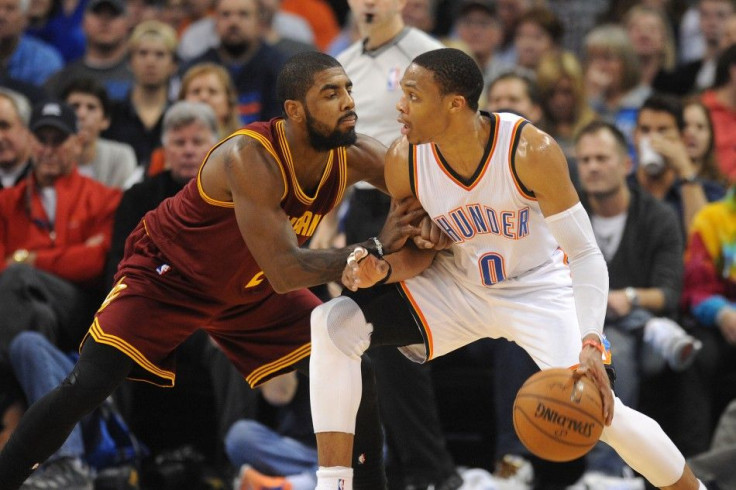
<point>55,229</point>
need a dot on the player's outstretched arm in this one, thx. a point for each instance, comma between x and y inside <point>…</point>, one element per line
<point>542,168</point>
<point>366,161</point>
<point>364,270</point>
<point>256,187</point>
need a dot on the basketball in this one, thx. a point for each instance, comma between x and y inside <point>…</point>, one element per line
<point>557,418</point>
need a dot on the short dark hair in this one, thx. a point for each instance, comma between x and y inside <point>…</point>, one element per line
<point>89,86</point>
<point>297,75</point>
<point>532,90</point>
<point>664,103</point>
<point>547,20</point>
<point>455,72</point>
<point>723,66</point>
<point>596,126</point>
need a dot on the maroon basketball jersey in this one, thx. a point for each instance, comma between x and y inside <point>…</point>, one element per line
<point>200,238</point>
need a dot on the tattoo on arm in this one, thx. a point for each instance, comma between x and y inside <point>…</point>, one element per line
<point>323,266</point>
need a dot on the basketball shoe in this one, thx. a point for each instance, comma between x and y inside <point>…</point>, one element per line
<point>452,482</point>
<point>251,479</point>
<point>513,473</point>
<point>600,481</point>
<point>62,473</point>
<point>670,341</point>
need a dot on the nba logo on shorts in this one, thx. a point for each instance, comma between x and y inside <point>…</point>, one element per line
<point>340,484</point>
<point>394,76</point>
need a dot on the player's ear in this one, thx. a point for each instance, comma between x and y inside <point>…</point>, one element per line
<point>457,103</point>
<point>294,110</point>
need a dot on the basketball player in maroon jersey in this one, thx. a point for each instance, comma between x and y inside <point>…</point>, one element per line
<point>225,255</point>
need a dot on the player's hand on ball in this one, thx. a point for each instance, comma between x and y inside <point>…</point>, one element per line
<point>431,236</point>
<point>363,270</point>
<point>591,365</point>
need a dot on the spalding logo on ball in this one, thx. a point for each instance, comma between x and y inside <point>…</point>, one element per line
<point>557,417</point>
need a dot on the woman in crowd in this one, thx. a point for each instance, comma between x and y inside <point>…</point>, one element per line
<point>564,103</point>
<point>211,84</point>
<point>613,77</point>
<point>700,141</point>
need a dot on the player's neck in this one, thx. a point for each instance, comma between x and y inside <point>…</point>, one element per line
<point>375,36</point>
<point>464,142</point>
<point>308,160</point>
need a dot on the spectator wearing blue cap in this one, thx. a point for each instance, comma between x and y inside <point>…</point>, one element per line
<point>106,28</point>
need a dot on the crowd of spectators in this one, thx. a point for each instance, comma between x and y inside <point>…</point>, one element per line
<point>107,107</point>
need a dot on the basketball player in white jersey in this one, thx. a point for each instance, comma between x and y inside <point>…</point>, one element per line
<point>414,437</point>
<point>500,190</point>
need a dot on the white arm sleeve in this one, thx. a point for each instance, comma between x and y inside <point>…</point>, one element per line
<point>574,233</point>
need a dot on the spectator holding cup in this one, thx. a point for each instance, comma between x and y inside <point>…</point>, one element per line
<point>669,168</point>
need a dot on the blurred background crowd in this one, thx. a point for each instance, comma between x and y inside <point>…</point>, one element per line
<point>107,107</point>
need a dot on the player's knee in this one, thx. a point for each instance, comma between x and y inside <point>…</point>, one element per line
<point>340,324</point>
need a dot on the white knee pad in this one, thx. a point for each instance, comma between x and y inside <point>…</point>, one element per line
<point>340,335</point>
<point>642,443</point>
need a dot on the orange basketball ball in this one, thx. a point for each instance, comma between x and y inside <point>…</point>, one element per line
<point>557,418</point>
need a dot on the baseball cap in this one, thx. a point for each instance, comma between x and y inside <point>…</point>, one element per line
<point>488,6</point>
<point>56,114</point>
<point>117,5</point>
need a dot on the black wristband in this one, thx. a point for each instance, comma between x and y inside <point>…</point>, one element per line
<point>374,247</point>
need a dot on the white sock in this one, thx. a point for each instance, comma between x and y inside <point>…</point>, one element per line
<point>701,486</point>
<point>334,478</point>
<point>303,481</point>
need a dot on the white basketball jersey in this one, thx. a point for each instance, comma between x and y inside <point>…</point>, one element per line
<point>498,230</point>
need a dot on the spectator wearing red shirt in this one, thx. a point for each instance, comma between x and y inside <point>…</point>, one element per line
<point>55,229</point>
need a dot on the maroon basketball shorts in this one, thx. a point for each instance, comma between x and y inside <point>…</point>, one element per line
<point>149,312</point>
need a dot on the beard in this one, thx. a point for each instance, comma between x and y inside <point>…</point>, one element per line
<point>235,49</point>
<point>322,138</point>
<point>108,47</point>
